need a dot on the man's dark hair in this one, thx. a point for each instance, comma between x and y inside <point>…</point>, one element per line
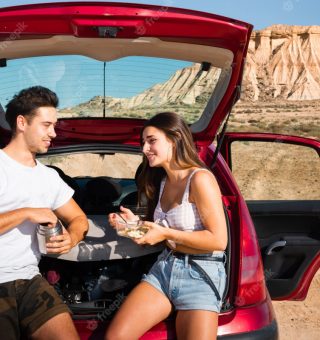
<point>27,101</point>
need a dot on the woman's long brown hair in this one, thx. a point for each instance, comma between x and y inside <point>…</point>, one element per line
<point>184,154</point>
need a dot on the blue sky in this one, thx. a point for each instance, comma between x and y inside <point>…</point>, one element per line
<point>257,12</point>
<point>77,79</point>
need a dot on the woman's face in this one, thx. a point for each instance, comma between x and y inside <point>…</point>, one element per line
<point>156,147</point>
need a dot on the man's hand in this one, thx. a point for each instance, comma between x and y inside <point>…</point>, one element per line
<point>60,244</point>
<point>42,215</point>
<point>77,226</point>
<point>11,219</point>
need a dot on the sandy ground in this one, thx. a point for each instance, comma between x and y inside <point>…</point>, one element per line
<point>300,319</point>
<point>285,117</point>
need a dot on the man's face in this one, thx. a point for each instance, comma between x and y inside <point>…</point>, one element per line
<point>39,131</point>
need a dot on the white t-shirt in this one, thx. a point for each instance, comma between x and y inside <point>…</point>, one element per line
<point>25,187</point>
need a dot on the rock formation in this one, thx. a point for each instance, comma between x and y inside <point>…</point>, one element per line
<point>186,86</point>
<point>283,62</point>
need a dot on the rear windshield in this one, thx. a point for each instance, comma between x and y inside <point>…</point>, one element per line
<point>129,87</point>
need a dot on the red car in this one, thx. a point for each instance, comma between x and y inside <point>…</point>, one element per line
<point>113,65</point>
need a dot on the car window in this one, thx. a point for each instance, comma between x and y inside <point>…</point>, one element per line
<point>129,87</point>
<point>115,165</point>
<point>275,171</point>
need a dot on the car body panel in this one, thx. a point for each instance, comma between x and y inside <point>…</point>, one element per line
<point>231,325</point>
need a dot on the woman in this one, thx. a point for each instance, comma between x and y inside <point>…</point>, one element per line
<point>183,196</point>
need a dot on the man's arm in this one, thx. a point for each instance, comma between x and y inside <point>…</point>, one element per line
<point>77,226</point>
<point>11,219</point>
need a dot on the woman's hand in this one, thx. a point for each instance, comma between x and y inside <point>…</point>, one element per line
<point>125,213</point>
<point>155,234</point>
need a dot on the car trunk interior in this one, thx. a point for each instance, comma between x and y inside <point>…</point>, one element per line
<point>104,267</point>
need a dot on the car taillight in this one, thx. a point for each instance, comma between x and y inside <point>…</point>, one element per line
<point>251,288</point>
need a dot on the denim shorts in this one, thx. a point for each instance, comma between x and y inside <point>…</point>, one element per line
<point>185,284</point>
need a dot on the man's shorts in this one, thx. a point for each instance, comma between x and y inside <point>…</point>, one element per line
<point>25,305</point>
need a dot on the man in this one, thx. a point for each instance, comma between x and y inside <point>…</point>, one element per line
<point>31,193</point>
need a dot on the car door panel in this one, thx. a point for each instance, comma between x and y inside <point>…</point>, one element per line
<point>289,238</point>
<point>288,230</point>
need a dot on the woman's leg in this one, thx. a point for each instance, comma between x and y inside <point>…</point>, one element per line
<point>196,324</point>
<point>144,307</point>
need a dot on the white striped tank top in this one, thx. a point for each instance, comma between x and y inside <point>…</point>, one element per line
<point>183,217</point>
